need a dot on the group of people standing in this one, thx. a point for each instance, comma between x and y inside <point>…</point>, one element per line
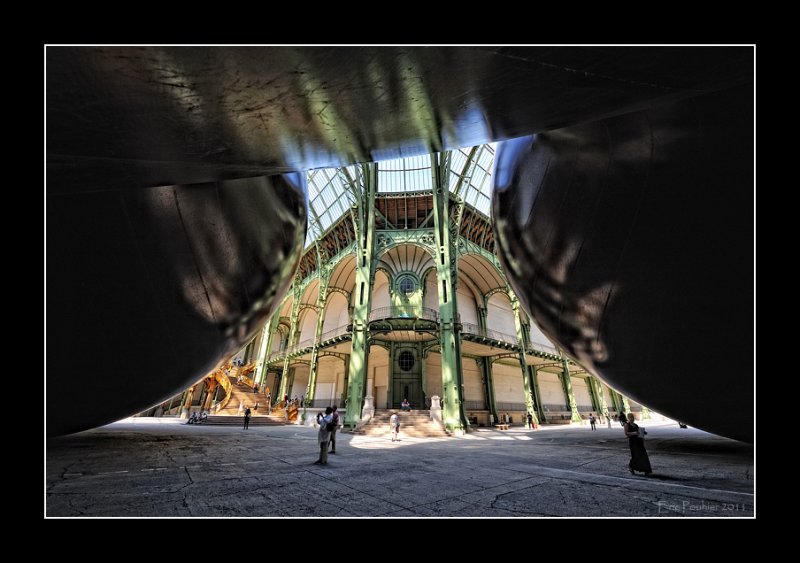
<point>329,423</point>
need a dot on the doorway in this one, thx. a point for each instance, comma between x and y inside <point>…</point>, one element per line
<point>407,377</point>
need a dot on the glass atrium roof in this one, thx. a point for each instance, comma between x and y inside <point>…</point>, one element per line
<point>332,191</point>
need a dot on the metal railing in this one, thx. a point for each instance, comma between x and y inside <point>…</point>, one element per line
<point>545,348</point>
<point>338,331</point>
<point>404,313</point>
<point>475,405</point>
<point>469,328</point>
<point>510,406</point>
<point>555,407</point>
<point>322,403</point>
<point>475,330</point>
<point>307,343</point>
<point>502,337</point>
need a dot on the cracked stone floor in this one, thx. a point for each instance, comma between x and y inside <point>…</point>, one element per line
<point>158,467</point>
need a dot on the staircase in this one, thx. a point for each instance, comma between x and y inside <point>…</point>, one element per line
<point>415,423</point>
<point>242,393</point>
<point>217,420</point>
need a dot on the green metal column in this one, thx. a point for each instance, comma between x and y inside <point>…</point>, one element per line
<point>567,383</point>
<point>345,382</point>
<point>291,341</point>
<point>453,413</point>
<point>322,296</point>
<point>424,376</point>
<point>290,382</point>
<point>615,399</point>
<point>390,376</point>
<point>523,362</point>
<point>600,400</point>
<point>364,224</point>
<point>646,413</point>
<point>488,386</point>
<point>266,346</point>
<point>537,393</point>
<point>482,318</point>
<point>626,406</point>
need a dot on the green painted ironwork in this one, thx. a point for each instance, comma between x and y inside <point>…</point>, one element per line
<point>597,392</point>
<point>567,383</point>
<point>447,274</point>
<point>365,237</point>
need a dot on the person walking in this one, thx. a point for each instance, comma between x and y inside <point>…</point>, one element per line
<point>247,415</point>
<point>394,425</point>
<point>592,421</point>
<point>639,459</point>
<point>530,421</point>
<point>324,435</point>
<point>335,419</point>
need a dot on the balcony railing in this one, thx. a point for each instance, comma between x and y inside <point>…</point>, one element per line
<point>404,313</point>
<point>475,405</point>
<point>538,347</point>
<point>475,330</point>
<point>333,333</point>
<point>508,406</point>
<point>307,343</point>
<point>554,407</point>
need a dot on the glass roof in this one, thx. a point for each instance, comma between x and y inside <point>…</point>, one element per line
<point>405,174</point>
<point>476,187</point>
<point>329,197</point>
<point>332,191</point>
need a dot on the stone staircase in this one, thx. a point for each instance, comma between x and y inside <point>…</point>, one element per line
<point>223,420</point>
<point>414,423</point>
<point>241,393</point>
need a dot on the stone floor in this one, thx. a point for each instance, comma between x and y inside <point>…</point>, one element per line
<point>157,467</point>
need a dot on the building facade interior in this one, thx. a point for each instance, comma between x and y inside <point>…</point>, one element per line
<point>400,297</point>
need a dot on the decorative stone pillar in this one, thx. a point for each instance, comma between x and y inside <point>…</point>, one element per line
<point>368,411</point>
<point>436,411</point>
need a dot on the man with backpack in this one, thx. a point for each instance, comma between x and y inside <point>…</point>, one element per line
<point>324,435</point>
<point>335,419</point>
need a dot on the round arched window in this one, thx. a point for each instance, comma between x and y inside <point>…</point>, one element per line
<point>406,360</point>
<point>407,285</point>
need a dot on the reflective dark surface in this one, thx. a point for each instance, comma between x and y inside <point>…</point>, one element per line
<point>148,286</point>
<point>154,116</point>
<point>148,289</point>
<point>630,240</point>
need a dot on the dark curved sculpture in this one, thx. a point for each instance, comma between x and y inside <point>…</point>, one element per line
<point>170,232</point>
<point>147,290</point>
<point>630,240</point>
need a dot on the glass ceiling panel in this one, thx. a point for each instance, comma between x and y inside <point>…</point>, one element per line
<point>476,187</point>
<point>328,199</point>
<point>405,175</point>
<point>329,196</point>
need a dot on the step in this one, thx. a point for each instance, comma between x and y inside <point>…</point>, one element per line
<point>217,420</point>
